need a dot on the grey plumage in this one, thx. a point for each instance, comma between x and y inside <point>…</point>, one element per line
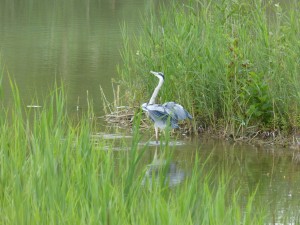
<point>161,114</point>
<point>177,110</point>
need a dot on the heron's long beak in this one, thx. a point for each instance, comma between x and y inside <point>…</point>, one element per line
<point>154,73</point>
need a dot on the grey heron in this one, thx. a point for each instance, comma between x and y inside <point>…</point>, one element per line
<point>169,112</point>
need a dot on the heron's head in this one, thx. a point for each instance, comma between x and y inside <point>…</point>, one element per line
<point>158,74</point>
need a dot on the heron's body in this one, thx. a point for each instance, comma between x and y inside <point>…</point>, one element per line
<point>160,115</point>
<point>169,112</point>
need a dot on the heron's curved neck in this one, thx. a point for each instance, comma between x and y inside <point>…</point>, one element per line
<point>156,90</point>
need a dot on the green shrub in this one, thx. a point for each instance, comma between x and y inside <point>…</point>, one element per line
<point>232,63</point>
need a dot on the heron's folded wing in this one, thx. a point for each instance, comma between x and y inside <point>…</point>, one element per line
<point>177,111</point>
<point>160,114</point>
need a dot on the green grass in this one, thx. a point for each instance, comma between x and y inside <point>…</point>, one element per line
<point>233,64</point>
<point>226,63</point>
<point>53,172</point>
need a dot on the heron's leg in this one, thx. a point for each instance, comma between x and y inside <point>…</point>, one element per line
<point>156,134</point>
<point>155,155</point>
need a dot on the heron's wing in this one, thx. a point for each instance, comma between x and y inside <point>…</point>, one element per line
<point>177,110</point>
<point>160,115</point>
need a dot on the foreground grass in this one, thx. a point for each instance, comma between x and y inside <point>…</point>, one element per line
<point>233,64</point>
<point>51,172</point>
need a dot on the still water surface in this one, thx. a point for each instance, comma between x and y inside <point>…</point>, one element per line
<point>274,172</point>
<point>79,42</point>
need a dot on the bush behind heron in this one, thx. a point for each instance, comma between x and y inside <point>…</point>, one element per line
<point>235,65</point>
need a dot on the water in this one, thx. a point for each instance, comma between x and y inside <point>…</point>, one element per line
<point>79,42</point>
<point>273,171</point>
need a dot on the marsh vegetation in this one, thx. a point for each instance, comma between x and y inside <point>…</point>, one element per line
<point>57,169</point>
<point>235,65</point>
<point>52,172</point>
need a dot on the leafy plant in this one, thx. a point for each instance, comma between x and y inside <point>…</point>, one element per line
<point>231,63</point>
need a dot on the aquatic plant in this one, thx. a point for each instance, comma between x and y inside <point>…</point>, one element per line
<point>233,64</point>
<point>54,172</point>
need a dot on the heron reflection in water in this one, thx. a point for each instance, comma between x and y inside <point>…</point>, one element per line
<point>169,112</point>
<point>162,170</point>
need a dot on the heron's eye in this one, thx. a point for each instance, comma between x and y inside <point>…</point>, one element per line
<point>161,74</point>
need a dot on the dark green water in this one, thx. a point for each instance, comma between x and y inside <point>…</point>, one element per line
<point>76,41</point>
<point>274,172</point>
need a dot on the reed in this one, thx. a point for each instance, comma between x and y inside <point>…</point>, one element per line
<point>234,65</point>
<point>53,172</point>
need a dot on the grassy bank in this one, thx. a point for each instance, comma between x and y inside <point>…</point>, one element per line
<point>234,65</point>
<point>53,172</point>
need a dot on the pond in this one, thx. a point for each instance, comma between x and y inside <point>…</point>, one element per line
<point>78,42</point>
<point>274,171</point>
